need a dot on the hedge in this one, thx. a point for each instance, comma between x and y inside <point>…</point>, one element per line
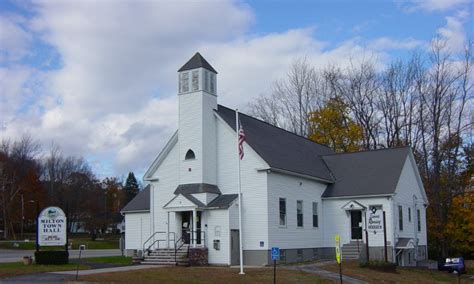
<point>52,257</point>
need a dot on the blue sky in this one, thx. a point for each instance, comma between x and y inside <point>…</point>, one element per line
<point>99,77</point>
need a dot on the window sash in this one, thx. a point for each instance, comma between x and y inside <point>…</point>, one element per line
<point>195,80</point>
<point>299,213</point>
<point>418,213</point>
<point>185,82</point>
<point>400,217</point>
<point>315,214</point>
<point>282,202</point>
<point>212,83</point>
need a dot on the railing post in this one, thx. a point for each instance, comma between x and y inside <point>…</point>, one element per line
<point>194,238</point>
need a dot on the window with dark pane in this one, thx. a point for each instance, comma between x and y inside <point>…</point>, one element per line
<point>190,155</point>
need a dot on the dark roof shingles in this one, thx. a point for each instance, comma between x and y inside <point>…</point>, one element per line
<point>197,61</point>
<point>365,173</point>
<point>141,202</point>
<point>222,201</point>
<point>281,149</point>
<point>197,188</point>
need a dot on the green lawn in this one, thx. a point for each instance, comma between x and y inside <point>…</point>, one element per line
<point>107,243</point>
<point>121,260</point>
<point>205,275</point>
<point>18,268</point>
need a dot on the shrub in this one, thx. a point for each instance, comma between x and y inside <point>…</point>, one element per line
<point>52,257</point>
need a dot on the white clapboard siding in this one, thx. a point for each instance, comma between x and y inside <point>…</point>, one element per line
<point>406,188</point>
<point>218,229</point>
<point>293,189</point>
<point>253,183</point>
<point>137,230</point>
<point>163,190</point>
<point>338,221</point>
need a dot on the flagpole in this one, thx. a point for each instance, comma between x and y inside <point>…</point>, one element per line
<point>240,194</point>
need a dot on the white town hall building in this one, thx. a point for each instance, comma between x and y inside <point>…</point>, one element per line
<point>296,194</point>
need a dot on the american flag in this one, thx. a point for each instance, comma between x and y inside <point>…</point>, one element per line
<point>241,142</point>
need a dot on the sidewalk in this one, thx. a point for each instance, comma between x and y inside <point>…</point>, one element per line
<point>65,276</point>
<point>316,269</point>
<point>106,270</point>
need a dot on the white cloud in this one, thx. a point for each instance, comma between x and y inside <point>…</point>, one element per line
<point>431,5</point>
<point>113,98</point>
<point>453,32</point>
<point>386,43</point>
<point>14,39</point>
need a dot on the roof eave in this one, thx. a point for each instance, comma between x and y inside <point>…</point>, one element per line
<point>134,211</point>
<point>287,172</point>
<point>359,196</point>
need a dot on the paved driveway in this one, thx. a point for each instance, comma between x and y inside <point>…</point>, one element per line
<point>9,255</point>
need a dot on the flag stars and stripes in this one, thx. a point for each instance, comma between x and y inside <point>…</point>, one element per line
<point>241,142</point>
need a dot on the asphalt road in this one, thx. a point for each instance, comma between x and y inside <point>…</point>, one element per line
<point>9,255</point>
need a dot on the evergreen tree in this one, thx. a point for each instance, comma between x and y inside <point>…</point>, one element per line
<point>131,187</point>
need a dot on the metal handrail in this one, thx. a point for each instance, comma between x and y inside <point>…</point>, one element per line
<point>191,239</point>
<point>157,241</point>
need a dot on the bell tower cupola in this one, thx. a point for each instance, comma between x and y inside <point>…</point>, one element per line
<point>197,137</point>
<point>197,75</point>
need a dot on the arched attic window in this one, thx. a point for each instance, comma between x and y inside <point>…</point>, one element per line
<point>190,155</point>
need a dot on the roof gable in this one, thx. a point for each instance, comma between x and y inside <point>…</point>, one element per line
<point>353,205</point>
<point>365,173</point>
<point>182,200</point>
<point>197,61</point>
<point>279,148</point>
<point>141,202</point>
<point>161,156</point>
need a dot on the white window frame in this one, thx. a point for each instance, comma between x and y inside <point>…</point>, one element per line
<point>279,213</point>
<point>317,215</point>
<point>302,214</point>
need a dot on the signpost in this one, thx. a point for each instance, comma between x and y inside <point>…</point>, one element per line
<point>275,257</point>
<point>338,255</point>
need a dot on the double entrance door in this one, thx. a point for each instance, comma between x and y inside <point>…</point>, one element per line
<point>187,227</point>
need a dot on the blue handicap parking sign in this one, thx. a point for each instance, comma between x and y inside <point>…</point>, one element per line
<point>275,253</point>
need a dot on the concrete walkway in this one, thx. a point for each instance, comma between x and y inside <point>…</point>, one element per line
<point>316,269</point>
<point>110,269</point>
<point>65,276</point>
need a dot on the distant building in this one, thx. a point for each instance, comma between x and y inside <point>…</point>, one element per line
<point>296,194</point>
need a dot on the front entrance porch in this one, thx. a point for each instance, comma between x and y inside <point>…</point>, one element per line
<point>190,231</point>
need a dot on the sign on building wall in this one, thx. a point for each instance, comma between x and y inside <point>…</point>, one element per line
<point>375,222</point>
<point>52,227</point>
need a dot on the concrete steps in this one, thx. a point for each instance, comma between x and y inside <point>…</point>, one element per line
<point>351,251</point>
<point>167,257</point>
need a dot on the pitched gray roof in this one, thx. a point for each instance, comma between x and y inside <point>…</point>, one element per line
<point>197,61</point>
<point>141,202</point>
<point>281,149</point>
<point>194,200</point>
<point>365,173</point>
<point>222,201</point>
<point>197,188</point>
